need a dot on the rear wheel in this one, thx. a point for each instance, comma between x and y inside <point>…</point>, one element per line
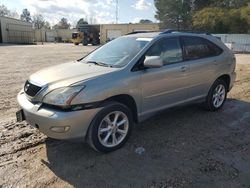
<point>110,128</point>
<point>217,95</point>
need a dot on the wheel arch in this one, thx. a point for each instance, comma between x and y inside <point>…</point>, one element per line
<point>226,78</point>
<point>128,101</point>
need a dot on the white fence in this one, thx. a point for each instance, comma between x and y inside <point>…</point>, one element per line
<point>239,43</point>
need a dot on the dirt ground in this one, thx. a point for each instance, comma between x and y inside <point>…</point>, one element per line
<point>183,147</point>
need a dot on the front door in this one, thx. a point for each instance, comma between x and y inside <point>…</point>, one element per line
<point>166,86</point>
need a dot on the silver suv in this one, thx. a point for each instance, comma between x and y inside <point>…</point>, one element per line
<point>99,97</point>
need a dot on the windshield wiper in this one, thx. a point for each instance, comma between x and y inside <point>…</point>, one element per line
<point>99,63</point>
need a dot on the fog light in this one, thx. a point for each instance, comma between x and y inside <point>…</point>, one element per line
<point>60,129</point>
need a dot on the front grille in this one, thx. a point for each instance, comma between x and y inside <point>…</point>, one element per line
<point>31,89</point>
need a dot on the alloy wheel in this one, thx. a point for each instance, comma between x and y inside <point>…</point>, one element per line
<point>219,95</point>
<point>113,129</point>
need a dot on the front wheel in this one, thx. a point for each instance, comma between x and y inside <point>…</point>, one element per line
<point>217,95</point>
<point>110,128</point>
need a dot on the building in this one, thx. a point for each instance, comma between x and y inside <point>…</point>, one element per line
<point>107,32</point>
<point>16,31</point>
<point>111,31</point>
<point>54,35</point>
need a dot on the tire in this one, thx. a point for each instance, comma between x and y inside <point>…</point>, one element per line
<point>219,86</point>
<point>94,42</point>
<point>102,132</point>
<point>85,42</point>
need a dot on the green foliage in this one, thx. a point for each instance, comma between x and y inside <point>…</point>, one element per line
<point>200,4</point>
<point>81,22</point>
<point>145,21</point>
<point>174,13</point>
<point>229,3</point>
<point>235,23</point>
<point>210,20</point>
<point>245,14</point>
<point>25,16</point>
<point>215,16</point>
<point>220,20</point>
<point>63,24</point>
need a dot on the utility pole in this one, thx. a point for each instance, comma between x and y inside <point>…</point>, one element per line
<point>116,12</point>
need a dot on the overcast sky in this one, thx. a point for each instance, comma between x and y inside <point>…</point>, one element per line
<point>102,10</point>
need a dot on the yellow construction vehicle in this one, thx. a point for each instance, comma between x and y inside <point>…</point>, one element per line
<point>77,38</point>
<point>86,34</point>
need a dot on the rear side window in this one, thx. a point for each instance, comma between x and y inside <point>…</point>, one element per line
<point>169,49</point>
<point>197,48</point>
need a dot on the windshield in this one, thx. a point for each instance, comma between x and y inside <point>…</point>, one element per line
<point>118,52</point>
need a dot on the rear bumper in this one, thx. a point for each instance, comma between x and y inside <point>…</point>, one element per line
<point>57,124</point>
<point>233,78</point>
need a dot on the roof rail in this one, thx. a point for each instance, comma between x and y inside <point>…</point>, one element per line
<point>167,31</point>
<point>136,32</point>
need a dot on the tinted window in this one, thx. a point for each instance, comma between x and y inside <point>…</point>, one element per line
<point>196,48</point>
<point>168,49</point>
<point>214,49</point>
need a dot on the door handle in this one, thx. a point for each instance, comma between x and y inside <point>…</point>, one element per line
<point>215,63</point>
<point>183,69</point>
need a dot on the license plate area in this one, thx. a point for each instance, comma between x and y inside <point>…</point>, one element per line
<point>20,116</point>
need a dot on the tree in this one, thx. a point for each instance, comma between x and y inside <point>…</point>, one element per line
<point>63,24</point>
<point>4,11</point>
<point>47,25</point>
<point>210,20</point>
<point>219,20</point>
<point>81,22</point>
<point>14,14</point>
<point>25,16</point>
<point>235,23</point>
<point>38,21</point>
<point>200,4</point>
<point>229,3</point>
<point>142,21</point>
<point>245,13</point>
<point>174,14</point>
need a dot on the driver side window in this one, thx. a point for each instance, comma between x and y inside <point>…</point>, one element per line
<point>169,49</point>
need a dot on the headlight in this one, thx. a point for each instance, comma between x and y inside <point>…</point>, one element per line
<point>62,96</point>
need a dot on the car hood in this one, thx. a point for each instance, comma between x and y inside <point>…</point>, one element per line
<point>68,73</point>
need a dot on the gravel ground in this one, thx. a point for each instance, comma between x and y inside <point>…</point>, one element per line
<point>182,147</point>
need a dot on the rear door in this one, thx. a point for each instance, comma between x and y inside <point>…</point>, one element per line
<point>201,55</point>
<point>166,86</point>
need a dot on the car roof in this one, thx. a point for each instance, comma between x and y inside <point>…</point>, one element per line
<point>154,34</point>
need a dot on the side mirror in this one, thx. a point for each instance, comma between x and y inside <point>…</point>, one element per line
<point>153,62</point>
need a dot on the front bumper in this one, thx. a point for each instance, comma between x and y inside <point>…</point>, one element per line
<point>57,124</point>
